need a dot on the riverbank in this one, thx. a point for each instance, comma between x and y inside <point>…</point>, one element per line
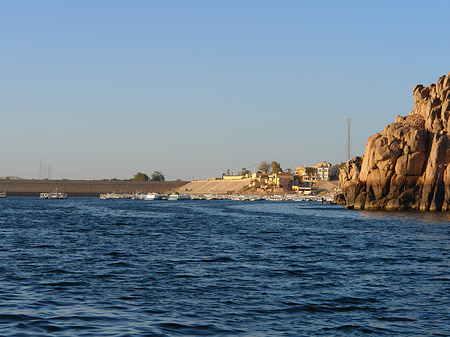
<point>201,187</point>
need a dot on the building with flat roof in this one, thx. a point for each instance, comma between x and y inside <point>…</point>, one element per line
<point>312,174</point>
<point>324,171</point>
<point>281,180</point>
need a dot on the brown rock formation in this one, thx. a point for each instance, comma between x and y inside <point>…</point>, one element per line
<point>406,166</point>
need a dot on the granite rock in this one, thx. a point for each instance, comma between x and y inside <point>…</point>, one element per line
<point>406,166</point>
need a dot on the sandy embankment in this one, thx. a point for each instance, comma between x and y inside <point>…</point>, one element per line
<point>214,186</point>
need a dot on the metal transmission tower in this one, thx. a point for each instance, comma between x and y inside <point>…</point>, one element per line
<point>349,139</point>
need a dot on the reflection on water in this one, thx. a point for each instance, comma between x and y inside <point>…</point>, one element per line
<point>426,217</point>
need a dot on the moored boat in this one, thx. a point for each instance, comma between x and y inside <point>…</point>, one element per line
<point>175,196</point>
<point>153,196</point>
<point>53,195</point>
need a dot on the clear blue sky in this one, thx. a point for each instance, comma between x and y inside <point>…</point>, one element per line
<point>104,89</point>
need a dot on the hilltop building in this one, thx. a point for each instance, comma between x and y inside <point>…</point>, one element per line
<point>307,174</point>
<point>282,180</point>
<point>324,171</point>
<point>300,181</point>
<point>312,174</point>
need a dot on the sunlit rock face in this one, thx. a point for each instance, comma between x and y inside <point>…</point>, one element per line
<point>406,166</point>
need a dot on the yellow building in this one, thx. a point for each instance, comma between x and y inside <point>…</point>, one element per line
<point>225,177</point>
<point>278,180</point>
<point>302,190</point>
<point>308,174</point>
<point>281,180</point>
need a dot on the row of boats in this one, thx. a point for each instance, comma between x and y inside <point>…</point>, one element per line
<point>175,196</point>
<point>250,197</point>
<point>51,195</point>
<point>145,196</point>
<point>238,197</point>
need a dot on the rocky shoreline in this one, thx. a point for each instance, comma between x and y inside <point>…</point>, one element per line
<point>406,166</point>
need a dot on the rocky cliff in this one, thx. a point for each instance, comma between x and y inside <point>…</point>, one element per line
<point>406,166</point>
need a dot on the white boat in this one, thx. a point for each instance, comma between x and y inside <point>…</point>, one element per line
<point>237,197</point>
<point>138,196</point>
<point>62,195</point>
<point>106,196</point>
<point>53,195</point>
<point>153,196</point>
<point>115,195</point>
<point>176,196</point>
<point>2,194</point>
<point>255,198</point>
<point>211,197</point>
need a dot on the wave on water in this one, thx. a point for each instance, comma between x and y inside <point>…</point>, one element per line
<point>90,267</point>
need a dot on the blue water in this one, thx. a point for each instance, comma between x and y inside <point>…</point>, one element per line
<point>90,267</point>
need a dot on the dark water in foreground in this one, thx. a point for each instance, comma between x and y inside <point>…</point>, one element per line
<point>90,267</point>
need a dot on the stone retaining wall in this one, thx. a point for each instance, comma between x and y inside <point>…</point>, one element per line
<point>85,188</point>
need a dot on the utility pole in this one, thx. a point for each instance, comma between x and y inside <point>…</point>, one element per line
<point>349,140</point>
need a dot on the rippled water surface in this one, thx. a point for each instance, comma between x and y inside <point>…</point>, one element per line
<point>90,267</point>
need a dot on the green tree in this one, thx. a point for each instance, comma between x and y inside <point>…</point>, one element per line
<point>157,176</point>
<point>276,167</point>
<point>337,169</point>
<point>244,171</point>
<point>140,177</point>
<point>264,167</point>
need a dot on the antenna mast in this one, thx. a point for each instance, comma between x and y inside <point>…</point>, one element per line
<point>349,140</point>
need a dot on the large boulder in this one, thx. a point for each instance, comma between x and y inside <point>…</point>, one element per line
<point>350,181</point>
<point>406,166</point>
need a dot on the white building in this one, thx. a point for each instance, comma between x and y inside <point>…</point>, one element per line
<point>324,171</point>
